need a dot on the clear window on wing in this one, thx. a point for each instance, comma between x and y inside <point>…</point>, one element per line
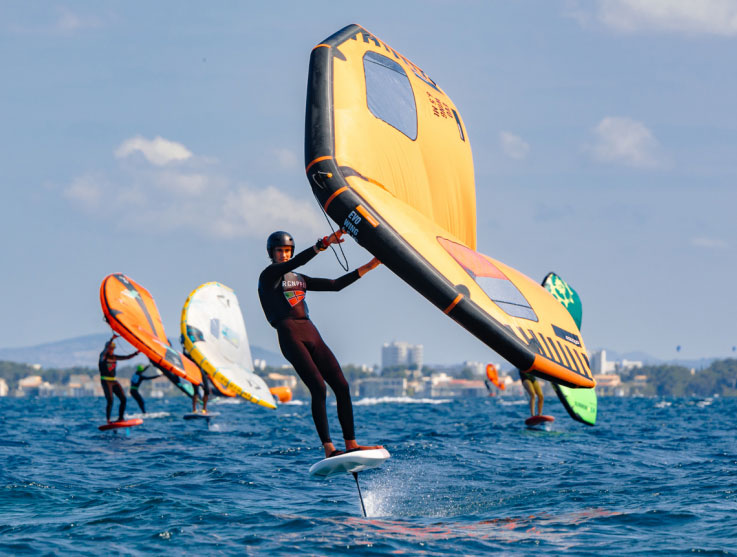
<point>389,93</point>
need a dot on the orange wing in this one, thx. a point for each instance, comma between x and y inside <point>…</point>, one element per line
<point>222,389</point>
<point>131,312</point>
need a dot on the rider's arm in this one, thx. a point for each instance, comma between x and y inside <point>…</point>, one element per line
<point>275,271</point>
<point>331,285</point>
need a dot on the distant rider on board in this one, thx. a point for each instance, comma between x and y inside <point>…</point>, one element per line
<point>533,388</point>
<point>282,293</point>
<point>205,388</point>
<point>107,363</point>
<point>143,373</point>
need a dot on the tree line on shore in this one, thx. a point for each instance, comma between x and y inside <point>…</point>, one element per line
<point>720,378</point>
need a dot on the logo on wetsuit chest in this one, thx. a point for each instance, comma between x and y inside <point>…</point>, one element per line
<point>294,296</point>
<point>294,287</point>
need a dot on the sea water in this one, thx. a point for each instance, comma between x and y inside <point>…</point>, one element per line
<point>653,477</point>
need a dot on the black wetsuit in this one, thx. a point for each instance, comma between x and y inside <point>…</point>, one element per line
<point>526,376</point>
<point>107,366</point>
<point>205,385</point>
<point>282,294</point>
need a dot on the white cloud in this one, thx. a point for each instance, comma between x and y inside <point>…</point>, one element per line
<point>183,183</point>
<point>625,141</point>
<point>287,158</point>
<point>158,151</point>
<point>252,212</point>
<point>69,22</point>
<point>708,243</point>
<point>513,146</point>
<point>86,191</point>
<point>712,17</point>
<point>157,198</point>
<point>64,22</point>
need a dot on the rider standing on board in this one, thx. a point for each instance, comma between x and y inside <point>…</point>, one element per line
<point>533,388</point>
<point>205,388</point>
<point>143,373</point>
<point>282,293</point>
<point>107,364</point>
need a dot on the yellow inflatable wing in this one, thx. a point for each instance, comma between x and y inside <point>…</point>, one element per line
<point>388,158</point>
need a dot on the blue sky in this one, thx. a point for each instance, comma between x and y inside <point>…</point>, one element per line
<point>164,140</point>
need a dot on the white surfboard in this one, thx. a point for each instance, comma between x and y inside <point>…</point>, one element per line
<point>357,461</point>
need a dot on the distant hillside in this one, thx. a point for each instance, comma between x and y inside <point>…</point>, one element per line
<point>84,351</point>
<point>647,359</point>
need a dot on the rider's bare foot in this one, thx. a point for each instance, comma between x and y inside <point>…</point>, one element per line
<point>351,445</point>
<point>329,449</point>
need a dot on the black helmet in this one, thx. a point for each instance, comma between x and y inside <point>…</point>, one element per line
<point>279,239</point>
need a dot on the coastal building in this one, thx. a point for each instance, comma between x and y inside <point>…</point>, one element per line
<point>30,382</point>
<point>461,388</point>
<point>513,386</point>
<point>599,363</point>
<point>281,380</point>
<point>415,353</point>
<point>394,354</point>
<point>259,364</point>
<point>627,365</point>
<point>476,368</point>
<point>3,388</point>
<point>376,387</point>
<point>83,385</point>
<point>34,385</point>
<point>461,370</point>
<point>609,384</point>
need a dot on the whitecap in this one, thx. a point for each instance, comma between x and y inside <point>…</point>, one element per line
<point>149,416</point>
<point>370,401</point>
<point>512,402</point>
<point>228,400</point>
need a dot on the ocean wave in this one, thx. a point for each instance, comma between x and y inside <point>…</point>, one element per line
<point>370,401</point>
<point>463,479</point>
<point>229,400</point>
<point>149,416</point>
<point>512,402</point>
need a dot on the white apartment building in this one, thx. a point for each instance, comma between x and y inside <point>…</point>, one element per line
<point>401,354</point>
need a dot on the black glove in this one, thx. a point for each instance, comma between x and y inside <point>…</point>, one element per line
<point>322,244</point>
